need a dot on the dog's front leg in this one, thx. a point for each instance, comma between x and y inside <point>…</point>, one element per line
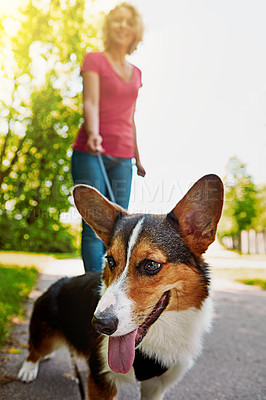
<point>100,387</point>
<point>154,389</point>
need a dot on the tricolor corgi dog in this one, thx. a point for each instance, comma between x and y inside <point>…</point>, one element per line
<point>144,316</point>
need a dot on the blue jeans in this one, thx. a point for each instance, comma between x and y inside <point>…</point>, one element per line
<point>85,169</point>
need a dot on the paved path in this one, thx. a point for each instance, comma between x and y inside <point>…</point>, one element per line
<point>232,366</point>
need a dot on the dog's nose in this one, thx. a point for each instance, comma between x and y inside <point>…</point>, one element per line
<point>106,325</point>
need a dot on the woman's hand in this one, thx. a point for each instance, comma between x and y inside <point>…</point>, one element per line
<point>140,170</point>
<point>94,144</point>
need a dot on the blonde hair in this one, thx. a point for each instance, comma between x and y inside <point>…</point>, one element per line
<point>138,25</point>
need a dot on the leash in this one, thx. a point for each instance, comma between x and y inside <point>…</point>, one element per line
<point>78,377</point>
<point>106,179</point>
<point>116,161</point>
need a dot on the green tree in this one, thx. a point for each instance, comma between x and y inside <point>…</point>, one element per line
<point>241,200</point>
<point>260,220</point>
<point>40,111</point>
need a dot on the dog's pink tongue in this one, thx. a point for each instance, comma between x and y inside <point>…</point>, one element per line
<point>121,352</point>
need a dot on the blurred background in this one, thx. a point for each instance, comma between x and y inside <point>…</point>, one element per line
<point>201,110</point>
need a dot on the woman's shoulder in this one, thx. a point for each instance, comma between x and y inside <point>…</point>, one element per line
<point>138,73</point>
<point>94,55</point>
<point>137,69</point>
<point>92,61</point>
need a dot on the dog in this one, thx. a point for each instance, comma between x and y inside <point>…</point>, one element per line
<point>144,316</point>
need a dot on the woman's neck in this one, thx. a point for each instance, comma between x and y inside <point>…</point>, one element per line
<point>118,55</point>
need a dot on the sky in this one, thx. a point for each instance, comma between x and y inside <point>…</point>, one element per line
<point>203,98</point>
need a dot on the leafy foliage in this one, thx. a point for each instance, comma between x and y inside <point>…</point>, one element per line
<point>257,282</point>
<point>260,220</point>
<point>244,207</point>
<point>40,112</point>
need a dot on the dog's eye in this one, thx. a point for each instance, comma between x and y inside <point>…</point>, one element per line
<point>111,262</point>
<point>152,267</point>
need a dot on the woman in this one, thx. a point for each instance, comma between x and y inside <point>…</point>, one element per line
<point>110,90</point>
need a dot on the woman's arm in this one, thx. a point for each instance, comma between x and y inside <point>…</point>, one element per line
<point>140,170</point>
<point>91,97</point>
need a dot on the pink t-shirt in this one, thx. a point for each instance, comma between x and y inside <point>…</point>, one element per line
<point>117,104</point>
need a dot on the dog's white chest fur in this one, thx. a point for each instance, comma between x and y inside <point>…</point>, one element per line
<point>177,335</point>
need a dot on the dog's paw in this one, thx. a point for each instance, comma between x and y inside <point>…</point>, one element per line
<point>28,372</point>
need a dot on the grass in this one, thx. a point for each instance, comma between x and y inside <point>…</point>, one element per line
<point>15,285</point>
<point>261,283</point>
<point>63,256</point>
<point>249,276</point>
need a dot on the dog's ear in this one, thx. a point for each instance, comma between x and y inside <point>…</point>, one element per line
<point>198,213</point>
<point>96,210</point>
